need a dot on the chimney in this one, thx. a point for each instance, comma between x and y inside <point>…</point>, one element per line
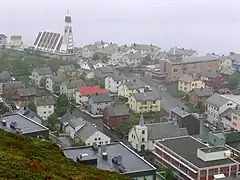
<point>119,160</point>
<point>24,108</point>
<point>104,152</point>
<point>95,146</point>
<point>213,53</point>
<point>183,109</point>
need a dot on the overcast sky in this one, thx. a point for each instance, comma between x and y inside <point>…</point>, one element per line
<point>205,25</point>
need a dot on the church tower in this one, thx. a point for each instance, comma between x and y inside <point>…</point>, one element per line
<point>67,46</point>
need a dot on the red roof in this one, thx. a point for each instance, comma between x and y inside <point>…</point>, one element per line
<point>89,90</point>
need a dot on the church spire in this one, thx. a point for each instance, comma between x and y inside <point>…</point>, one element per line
<point>141,122</point>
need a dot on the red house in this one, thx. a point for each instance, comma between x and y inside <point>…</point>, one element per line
<point>112,115</point>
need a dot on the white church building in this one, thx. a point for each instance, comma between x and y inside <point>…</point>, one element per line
<point>143,136</point>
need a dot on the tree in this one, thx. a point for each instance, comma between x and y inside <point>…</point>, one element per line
<point>95,57</point>
<point>31,105</point>
<point>52,122</point>
<point>167,171</point>
<point>79,143</point>
<point>62,105</point>
<point>234,81</point>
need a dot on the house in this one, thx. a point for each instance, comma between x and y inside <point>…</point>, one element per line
<point>105,52</point>
<point>9,88</point>
<point>103,72</point>
<point>82,95</point>
<point>143,136</point>
<point>73,126</point>
<point>113,81</point>
<point>214,80</point>
<point>114,114</point>
<point>53,83</point>
<point>232,119</point>
<point>187,83</point>
<point>98,102</point>
<point>88,51</point>
<point>16,41</point>
<point>145,102</point>
<point>216,105</point>
<point>116,58</point>
<point>70,87</point>
<point>193,159</point>
<point>226,62</point>
<point>90,134</point>
<point>115,157</point>
<point>69,71</point>
<point>45,106</point>
<point>131,59</point>
<point>97,64</point>
<point>176,67</point>
<point>227,72</point>
<point>20,124</point>
<point>186,120</point>
<point>87,65</point>
<point>4,77</point>
<point>182,52</point>
<point>3,39</point>
<point>144,48</point>
<point>39,75</point>
<point>24,94</point>
<point>198,96</point>
<point>130,87</point>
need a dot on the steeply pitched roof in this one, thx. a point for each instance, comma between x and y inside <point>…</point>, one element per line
<point>117,110</point>
<point>157,131</point>
<point>209,74</point>
<point>147,96</point>
<point>44,71</point>
<point>58,79</point>
<point>73,84</point>
<point>66,117</point>
<point>90,90</point>
<point>181,51</point>
<point>136,55</point>
<point>134,84</point>
<point>217,100</point>
<point>68,68</point>
<point>203,92</point>
<point>75,122</point>
<point>118,76</point>
<point>4,76</point>
<point>228,71</point>
<point>192,59</point>
<point>30,91</point>
<point>85,132</point>
<point>100,98</point>
<point>187,78</point>
<point>44,101</point>
<point>144,46</point>
<point>14,85</point>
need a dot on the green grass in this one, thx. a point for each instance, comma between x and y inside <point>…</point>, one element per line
<point>23,158</point>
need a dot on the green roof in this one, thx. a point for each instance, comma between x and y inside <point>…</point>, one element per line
<point>31,158</point>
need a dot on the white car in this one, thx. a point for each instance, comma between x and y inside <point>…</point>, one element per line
<point>213,128</point>
<point>94,125</point>
<point>206,125</point>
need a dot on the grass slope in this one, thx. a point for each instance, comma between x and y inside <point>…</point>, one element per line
<point>24,158</point>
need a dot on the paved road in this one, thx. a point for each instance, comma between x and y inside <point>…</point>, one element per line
<point>169,102</point>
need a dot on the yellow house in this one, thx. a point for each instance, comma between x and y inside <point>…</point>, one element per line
<point>69,70</point>
<point>130,87</point>
<point>145,102</point>
<point>186,83</point>
<point>16,40</point>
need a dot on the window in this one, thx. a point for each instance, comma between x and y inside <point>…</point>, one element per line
<point>49,106</point>
<point>143,132</point>
<point>143,139</point>
<point>100,142</point>
<point>99,138</point>
<point>44,112</point>
<point>235,117</point>
<point>49,112</point>
<point>95,139</point>
<point>175,70</point>
<point>106,142</point>
<point>185,88</point>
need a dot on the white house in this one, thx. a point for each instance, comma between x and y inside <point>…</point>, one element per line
<point>88,51</point>
<point>87,65</point>
<point>90,134</point>
<point>40,74</point>
<point>53,83</point>
<point>97,64</point>
<point>116,58</point>
<point>143,136</point>
<point>113,81</point>
<point>70,87</point>
<point>216,105</point>
<point>45,106</point>
<point>132,59</point>
<point>74,125</point>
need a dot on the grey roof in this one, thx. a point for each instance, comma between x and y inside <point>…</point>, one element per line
<point>234,57</point>
<point>100,98</point>
<point>3,36</point>
<point>147,96</point>
<point>117,110</point>
<point>103,72</point>
<point>90,64</point>
<point>73,84</point>
<point>66,117</point>
<point>228,71</point>
<point>68,68</point>
<point>30,114</point>
<point>4,76</point>
<point>58,79</point>
<point>157,131</point>
<point>124,48</point>
<point>179,111</point>
<point>85,132</point>
<point>236,111</point>
<point>75,122</point>
<point>186,78</point>
<point>217,100</point>
<point>44,71</point>
<point>44,101</point>
<point>91,47</point>
<point>107,50</point>
<point>209,74</point>
<point>134,84</point>
<point>118,77</point>
<point>14,85</point>
<point>29,91</point>
<point>132,161</point>
<point>186,147</point>
<point>181,51</point>
<point>203,92</point>
<point>25,124</point>
<point>192,59</point>
<point>144,46</point>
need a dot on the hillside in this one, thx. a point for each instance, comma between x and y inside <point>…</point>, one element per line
<point>23,158</point>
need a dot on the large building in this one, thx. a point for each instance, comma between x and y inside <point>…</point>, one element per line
<point>190,159</point>
<point>52,42</point>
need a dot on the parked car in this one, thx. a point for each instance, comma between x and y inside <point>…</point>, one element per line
<point>206,124</point>
<point>162,88</point>
<point>213,128</point>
